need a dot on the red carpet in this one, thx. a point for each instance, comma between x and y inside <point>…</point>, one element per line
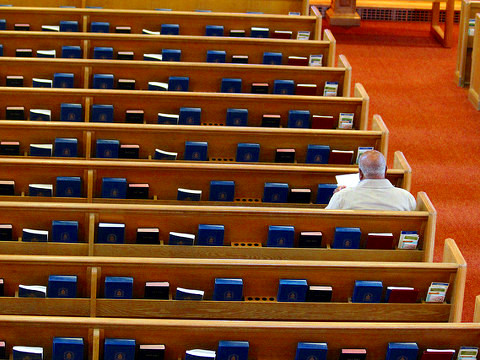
<point>410,80</point>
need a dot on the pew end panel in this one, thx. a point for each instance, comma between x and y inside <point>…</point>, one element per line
<point>424,204</point>
<point>379,125</point>
<point>401,163</point>
<point>474,91</point>
<point>327,35</point>
<point>452,254</point>
<point>359,92</point>
<point>343,63</point>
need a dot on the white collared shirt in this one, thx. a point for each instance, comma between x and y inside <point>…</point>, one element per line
<point>373,194</point>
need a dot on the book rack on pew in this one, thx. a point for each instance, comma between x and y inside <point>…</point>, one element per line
<point>474,91</point>
<point>166,177</point>
<point>190,23</point>
<point>260,278</point>
<point>193,48</point>
<point>214,105</point>
<point>203,77</point>
<point>237,245</point>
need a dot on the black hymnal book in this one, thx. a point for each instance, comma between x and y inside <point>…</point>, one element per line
<point>21,27</point>
<point>134,116</point>
<point>259,88</point>
<point>240,59</point>
<point>270,120</point>
<point>319,293</point>
<point>6,233</point>
<point>23,53</point>
<point>137,191</point>
<point>123,29</point>
<point>151,352</point>
<point>300,196</point>
<point>125,55</point>
<point>2,293</point>
<point>285,156</point>
<point>3,353</point>
<point>129,151</point>
<point>11,148</point>
<point>148,236</point>
<point>157,290</point>
<point>14,81</point>
<point>353,354</point>
<point>7,187</point>
<point>126,84</point>
<point>310,239</point>
<point>15,113</point>
<point>237,33</point>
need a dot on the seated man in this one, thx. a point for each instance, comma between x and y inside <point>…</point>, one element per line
<point>373,192</point>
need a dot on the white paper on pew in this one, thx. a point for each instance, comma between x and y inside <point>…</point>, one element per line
<point>348,180</point>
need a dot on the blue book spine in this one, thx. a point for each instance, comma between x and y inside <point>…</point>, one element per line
<point>259,32</point>
<point>181,294</point>
<point>42,84</point>
<point>171,55</point>
<point>69,26</point>
<point>272,58</point>
<point>190,116</point>
<point>118,287</point>
<point>170,29</point>
<point>299,119</point>
<point>281,236</point>
<point>114,188</point>
<point>65,231</point>
<point>222,190</point>
<point>237,117</point>
<point>232,350</point>
<point>36,191</point>
<point>231,85</point>
<point>105,53</point>
<point>292,290</point>
<point>102,113</point>
<point>107,149</point>
<point>71,112</point>
<point>214,30</point>
<point>67,348</point>
<point>119,349</point>
<point>346,238</point>
<point>111,233</point>
<point>100,27</point>
<point>310,351</point>
<point>189,195</point>
<point>40,115</point>
<point>228,290</point>
<point>196,151</point>
<point>62,286</point>
<point>325,192</point>
<point>28,355</point>
<point>178,83</point>
<point>167,119</point>
<point>275,193</point>
<point>210,235</point>
<point>32,293</point>
<point>283,87</point>
<point>1,50</point>
<point>103,81</point>
<point>248,152</point>
<point>40,151</point>
<point>367,292</point>
<point>175,238</point>
<point>66,147</point>
<point>405,351</point>
<point>68,186</point>
<point>216,56</point>
<point>62,80</point>
<point>71,52</point>
<point>3,24</point>
<point>30,235</point>
<point>317,154</point>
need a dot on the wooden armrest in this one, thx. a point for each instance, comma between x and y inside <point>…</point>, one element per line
<point>379,125</point>
<point>360,92</point>
<point>451,253</point>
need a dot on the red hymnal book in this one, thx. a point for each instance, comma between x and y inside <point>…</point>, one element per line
<point>402,294</point>
<point>434,354</point>
<point>306,89</point>
<point>297,61</point>
<point>379,241</point>
<point>323,122</point>
<point>341,157</point>
<point>281,34</point>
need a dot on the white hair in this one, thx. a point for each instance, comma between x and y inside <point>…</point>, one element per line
<point>372,164</point>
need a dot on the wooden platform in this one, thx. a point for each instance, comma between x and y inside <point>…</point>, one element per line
<point>419,5</point>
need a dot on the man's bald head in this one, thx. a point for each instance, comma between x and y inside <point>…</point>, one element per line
<point>372,165</point>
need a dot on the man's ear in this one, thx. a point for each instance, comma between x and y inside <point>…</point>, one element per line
<point>360,174</point>
<point>386,168</point>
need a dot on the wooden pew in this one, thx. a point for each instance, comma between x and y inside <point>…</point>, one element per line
<point>194,48</point>
<point>465,42</point>
<point>474,91</point>
<point>204,77</point>
<point>260,279</point>
<point>190,22</point>
<point>214,105</point>
<point>186,218</point>
<point>165,178</point>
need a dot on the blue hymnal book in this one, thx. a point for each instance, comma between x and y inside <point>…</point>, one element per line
<point>66,147</point>
<point>222,190</point>
<point>258,32</point>
<point>292,290</point>
<point>103,53</point>
<point>299,119</point>
<point>346,238</point>
<point>210,235</point>
<point>103,81</point>
<point>167,119</point>
<point>46,53</point>
<point>228,290</point>
<point>283,87</point>
<point>188,294</point>
<point>62,80</point>
<point>237,117</point>
<point>178,83</point>
<point>40,190</point>
<point>248,152</point>
<point>404,351</point>
<point>189,195</point>
<point>196,150</point>
<point>170,29</point>
<point>118,287</point>
<point>280,236</point>
<point>190,116</point>
<point>65,231</point>
<point>231,85</point>
<point>119,349</point>
<point>27,352</point>
<point>1,50</point>
<point>68,26</point>
<point>71,52</point>
<point>42,83</point>
<point>40,115</point>
<point>102,113</point>
<point>275,193</point>
<point>311,351</point>
<point>62,286</point>
<point>214,30</point>
<point>100,27</point>
<point>171,54</point>
<point>272,58</point>
<point>114,188</point>
<point>68,186</point>
<point>40,149</point>
<point>107,149</point>
<point>175,238</point>
<point>71,112</point>
<point>67,348</point>
<point>232,350</point>
<point>3,24</point>
<point>111,233</point>
<point>32,235</point>
<point>317,154</point>
<point>325,192</point>
<point>216,56</point>
<point>367,292</point>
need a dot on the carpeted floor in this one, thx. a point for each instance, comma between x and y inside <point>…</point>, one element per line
<point>410,80</point>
